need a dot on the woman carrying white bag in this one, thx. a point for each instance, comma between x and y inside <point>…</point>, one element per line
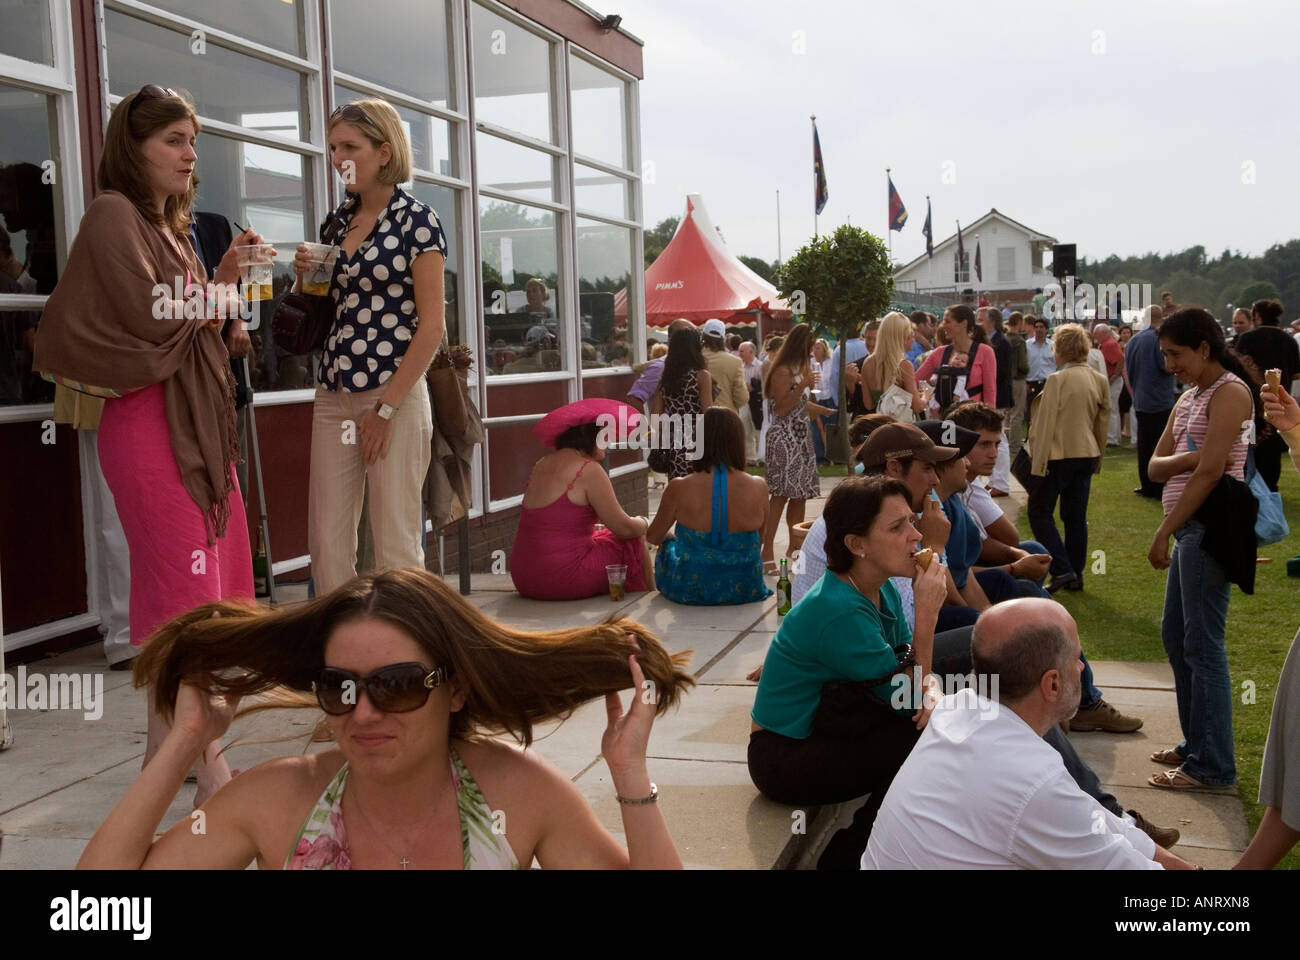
<point>898,396</point>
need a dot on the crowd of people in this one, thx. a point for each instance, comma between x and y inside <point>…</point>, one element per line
<point>911,574</point>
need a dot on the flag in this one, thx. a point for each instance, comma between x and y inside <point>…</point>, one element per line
<point>978,275</point>
<point>961,250</point>
<point>929,236</point>
<point>820,193</point>
<point>897,212</point>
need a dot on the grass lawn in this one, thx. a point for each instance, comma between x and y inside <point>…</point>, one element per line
<point>1119,611</point>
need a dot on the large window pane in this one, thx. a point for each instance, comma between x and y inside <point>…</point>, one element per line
<point>269,191</point>
<point>599,118</point>
<point>512,76</point>
<point>604,268</point>
<point>400,44</point>
<point>28,204</point>
<point>17,339</point>
<point>272,23</point>
<point>225,85</point>
<point>430,137</point>
<point>446,204</point>
<point>26,31</point>
<point>600,192</point>
<point>503,165</point>
<point>525,333</point>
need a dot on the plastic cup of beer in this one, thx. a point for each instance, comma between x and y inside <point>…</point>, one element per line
<point>617,574</point>
<point>320,269</point>
<point>256,261</point>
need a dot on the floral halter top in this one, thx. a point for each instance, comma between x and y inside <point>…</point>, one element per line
<point>322,843</point>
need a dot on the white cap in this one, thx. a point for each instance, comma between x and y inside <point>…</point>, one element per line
<point>715,328</point>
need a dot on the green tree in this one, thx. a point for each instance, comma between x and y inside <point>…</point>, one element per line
<point>658,238</point>
<point>761,267</point>
<point>834,281</point>
<point>1260,290</point>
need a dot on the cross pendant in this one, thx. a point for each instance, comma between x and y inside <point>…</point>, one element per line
<point>403,862</point>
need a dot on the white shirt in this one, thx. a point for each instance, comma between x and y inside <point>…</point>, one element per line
<point>1097,362</point>
<point>811,565</point>
<point>980,503</point>
<point>982,790</point>
<point>824,368</point>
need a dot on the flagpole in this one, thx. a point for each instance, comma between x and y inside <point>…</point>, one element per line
<point>778,226</point>
<point>813,119</point>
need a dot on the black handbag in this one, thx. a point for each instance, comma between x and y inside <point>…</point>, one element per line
<point>1022,468</point>
<point>849,709</point>
<point>301,323</point>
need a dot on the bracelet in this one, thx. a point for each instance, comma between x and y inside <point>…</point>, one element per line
<point>640,801</point>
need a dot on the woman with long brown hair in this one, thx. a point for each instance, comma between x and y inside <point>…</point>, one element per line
<point>410,675</point>
<point>167,438</point>
<point>791,462</point>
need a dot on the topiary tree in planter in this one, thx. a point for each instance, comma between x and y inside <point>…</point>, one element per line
<point>838,283</point>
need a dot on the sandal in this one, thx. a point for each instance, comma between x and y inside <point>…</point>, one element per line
<point>1177,779</point>
<point>1170,756</point>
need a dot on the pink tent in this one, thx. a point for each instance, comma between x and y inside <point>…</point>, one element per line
<point>697,277</point>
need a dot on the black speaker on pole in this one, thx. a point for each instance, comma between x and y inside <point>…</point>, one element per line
<point>1063,263</point>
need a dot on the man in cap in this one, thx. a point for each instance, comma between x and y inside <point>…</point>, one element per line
<point>728,372</point>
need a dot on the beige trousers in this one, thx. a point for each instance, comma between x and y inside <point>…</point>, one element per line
<point>340,477</point>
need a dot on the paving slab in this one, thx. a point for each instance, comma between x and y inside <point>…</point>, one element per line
<point>1206,821</point>
<point>741,659</point>
<point>40,853</point>
<point>664,617</point>
<point>525,614</point>
<point>717,818</point>
<point>1112,674</point>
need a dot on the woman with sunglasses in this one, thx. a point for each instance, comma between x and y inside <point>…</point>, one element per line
<point>387,298</point>
<point>410,675</point>
<point>167,439</point>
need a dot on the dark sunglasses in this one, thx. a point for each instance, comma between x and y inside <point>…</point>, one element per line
<point>399,688</point>
<point>352,113</point>
<point>151,91</point>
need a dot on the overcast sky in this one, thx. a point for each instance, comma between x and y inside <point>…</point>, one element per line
<point>1120,126</point>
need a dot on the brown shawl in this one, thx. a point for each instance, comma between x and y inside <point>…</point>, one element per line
<point>99,327</point>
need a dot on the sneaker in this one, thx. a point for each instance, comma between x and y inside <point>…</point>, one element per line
<point>1104,717</point>
<point>1163,836</point>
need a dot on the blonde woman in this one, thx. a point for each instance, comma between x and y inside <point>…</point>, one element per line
<point>897,396</point>
<point>387,291</point>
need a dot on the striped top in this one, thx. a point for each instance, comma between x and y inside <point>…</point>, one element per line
<point>1192,415</point>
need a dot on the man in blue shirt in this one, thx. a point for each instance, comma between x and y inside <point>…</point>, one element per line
<point>855,350</point>
<point>1153,397</point>
<point>1042,363</point>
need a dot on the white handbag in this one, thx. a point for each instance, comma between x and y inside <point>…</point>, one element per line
<point>897,403</point>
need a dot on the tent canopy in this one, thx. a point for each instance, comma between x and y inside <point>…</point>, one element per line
<point>697,277</point>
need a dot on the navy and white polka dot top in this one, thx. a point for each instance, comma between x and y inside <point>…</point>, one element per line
<point>374,293</point>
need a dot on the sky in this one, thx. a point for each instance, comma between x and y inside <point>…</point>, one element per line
<point>1122,127</point>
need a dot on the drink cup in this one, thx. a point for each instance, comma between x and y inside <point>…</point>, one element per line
<point>320,269</point>
<point>256,261</point>
<point>617,574</point>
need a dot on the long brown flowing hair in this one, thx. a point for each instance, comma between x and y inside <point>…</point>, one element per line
<point>122,165</point>
<point>512,679</point>
<point>794,353</point>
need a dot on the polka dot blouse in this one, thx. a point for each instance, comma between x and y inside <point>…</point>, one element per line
<point>374,295</point>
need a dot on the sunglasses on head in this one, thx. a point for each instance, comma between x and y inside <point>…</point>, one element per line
<point>151,91</point>
<point>398,688</point>
<point>353,114</point>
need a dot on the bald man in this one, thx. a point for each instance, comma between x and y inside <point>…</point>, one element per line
<point>641,392</point>
<point>1017,807</point>
<point>1113,354</point>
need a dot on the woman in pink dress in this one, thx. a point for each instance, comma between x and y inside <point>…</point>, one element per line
<point>558,553</point>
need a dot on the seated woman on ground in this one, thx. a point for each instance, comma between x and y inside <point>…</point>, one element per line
<point>558,553</point>
<point>411,676</point>
<point>719,510</point>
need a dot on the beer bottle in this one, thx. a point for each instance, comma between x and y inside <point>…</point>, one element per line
<point>261,568</point>
<point>783,591</point>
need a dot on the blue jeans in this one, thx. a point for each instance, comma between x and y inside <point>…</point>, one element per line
<point>1193,629</point>
<point>1070,480</point>
<point>1033,546</point>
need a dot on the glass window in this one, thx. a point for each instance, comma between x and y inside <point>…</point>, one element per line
<point>525,333</point>
<point>225,85</point>
<point>600,192</point>
<point>446,204</point>
<point>26,33</point>
<point>17,340</point>
<point>604,271</point>
<point>512,76</point>
<point>270,24</point>
<point>30,207</point>
<point>1006,264</point>
<point>599,118</point>
<point>430,137</point>
<point>961,267</point>
<point>400,44</point>
<point>268,190</point>
<point>503,165</point>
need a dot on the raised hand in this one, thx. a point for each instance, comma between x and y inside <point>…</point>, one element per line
<point>627,735</point>
<point>1280,408</point>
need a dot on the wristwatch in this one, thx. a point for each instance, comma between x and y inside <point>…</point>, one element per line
<point>384,410</point>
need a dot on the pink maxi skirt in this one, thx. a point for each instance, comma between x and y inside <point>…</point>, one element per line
<point>172,567</point>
